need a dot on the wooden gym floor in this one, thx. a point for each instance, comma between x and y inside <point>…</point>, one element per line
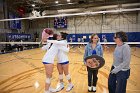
<point>23,72</point>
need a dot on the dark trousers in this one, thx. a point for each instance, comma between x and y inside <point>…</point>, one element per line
<point>117,82</point>
<point>92,77</point>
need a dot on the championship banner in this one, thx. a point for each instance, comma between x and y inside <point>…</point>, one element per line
<point>60,22</point>
<point>95,62</point>
<point>14,24</point>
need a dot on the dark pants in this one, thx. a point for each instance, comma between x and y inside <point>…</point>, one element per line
<point>92,81</point>
<point>117,82</point>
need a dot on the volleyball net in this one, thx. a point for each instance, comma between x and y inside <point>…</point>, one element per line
<point>70,43</point>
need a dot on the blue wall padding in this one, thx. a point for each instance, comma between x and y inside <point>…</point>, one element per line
<point>132,37</point>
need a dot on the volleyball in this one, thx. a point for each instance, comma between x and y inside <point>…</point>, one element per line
<point>47,32</point>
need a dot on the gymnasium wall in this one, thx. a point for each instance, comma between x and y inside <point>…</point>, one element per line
<point>104,23</point>
<point>1,14</point>
<point>85,25</point>
<point>132,37</point>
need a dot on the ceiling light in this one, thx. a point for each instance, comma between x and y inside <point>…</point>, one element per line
<point>68,10</point>
<point>68,0</point>
<point>56,2</point>
<point>33,5</point>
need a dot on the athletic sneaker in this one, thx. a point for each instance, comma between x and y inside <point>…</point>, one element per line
<point>47,92</point>
<point>70,86</point>
<point>89,89</point>
<point>94,89</point>
<point>59,87</point>
<point>52,89</point>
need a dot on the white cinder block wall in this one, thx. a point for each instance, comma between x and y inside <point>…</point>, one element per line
<point>103,23</point>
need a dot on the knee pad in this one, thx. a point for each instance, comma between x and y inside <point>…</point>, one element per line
<point>68,77</point>
<point>48,80</point>
<point>61,76</point>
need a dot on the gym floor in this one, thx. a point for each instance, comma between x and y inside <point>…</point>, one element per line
<point>23,72</point>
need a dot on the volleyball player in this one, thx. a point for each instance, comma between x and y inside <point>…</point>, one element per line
<point>48,60</point>
<point>63,62</point>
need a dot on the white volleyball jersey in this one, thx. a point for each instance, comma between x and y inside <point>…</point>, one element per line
<point>52,51</point>
<point>62,55</point>
<point>50,54</point>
